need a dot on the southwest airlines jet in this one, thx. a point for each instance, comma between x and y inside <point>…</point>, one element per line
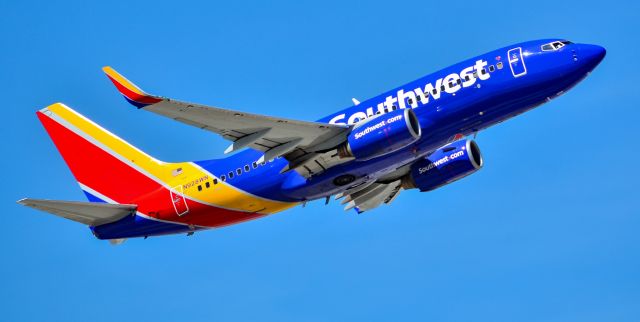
<point>415,136</point>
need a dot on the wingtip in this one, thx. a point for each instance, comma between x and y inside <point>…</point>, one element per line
<point>131,92</point>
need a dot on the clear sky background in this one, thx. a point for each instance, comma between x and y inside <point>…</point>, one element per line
<point>547,231</point>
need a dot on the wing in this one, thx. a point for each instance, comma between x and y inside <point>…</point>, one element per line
<point>88,213</point>
<point>301,142</point>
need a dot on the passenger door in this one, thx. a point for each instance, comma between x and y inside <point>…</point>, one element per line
<point>179,203</point>
<point>516,62</point>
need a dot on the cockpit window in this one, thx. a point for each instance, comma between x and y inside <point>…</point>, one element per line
<point>555,45</point>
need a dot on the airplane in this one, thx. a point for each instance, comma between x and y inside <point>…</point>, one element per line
<point>416,136</point>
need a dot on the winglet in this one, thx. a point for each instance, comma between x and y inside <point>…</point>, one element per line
<point>132,93</point>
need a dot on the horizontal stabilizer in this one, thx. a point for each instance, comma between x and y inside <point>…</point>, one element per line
<point>88,213</point>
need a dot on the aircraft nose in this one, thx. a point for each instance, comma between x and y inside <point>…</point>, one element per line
<point>591,55</point>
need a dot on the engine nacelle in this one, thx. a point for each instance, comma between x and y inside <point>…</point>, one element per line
<point>446,165</point>
<point>381,135</point>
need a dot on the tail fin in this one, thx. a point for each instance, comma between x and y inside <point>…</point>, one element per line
<point>107,168</point>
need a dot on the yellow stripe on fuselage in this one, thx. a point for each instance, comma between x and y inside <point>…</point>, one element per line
<point>172,174</point>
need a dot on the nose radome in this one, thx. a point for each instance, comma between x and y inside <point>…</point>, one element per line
<point>591,55</point>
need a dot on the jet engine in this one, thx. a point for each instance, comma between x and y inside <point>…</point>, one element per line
<point>446,165</point>
<point>381,135</point>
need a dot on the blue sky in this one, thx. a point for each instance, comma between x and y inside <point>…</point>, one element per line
<point>546,231</point>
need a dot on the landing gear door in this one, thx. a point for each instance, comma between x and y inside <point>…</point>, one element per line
<point>179,203</point>
<point>516,62</point>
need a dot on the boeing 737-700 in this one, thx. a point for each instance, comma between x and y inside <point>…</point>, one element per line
<point>416,136</point>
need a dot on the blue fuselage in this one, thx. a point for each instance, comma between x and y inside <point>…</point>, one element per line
<point>462,100</point>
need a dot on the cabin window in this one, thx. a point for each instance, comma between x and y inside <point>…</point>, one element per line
<point>215,181</point>
<point>394,107</point>
<point>199,188</point>
<point>239,171</point>
<point>442,88</point>
<point>230,174</point>
<point>223,178</point>
<point>483,71</point>
<point>450,84</point>
<point>459,81</point>
<point>263,163</point>
<point>410,101</point>
<point>467,78</point>
<point>499,65</point>
<point>207,184</point>
<point>435,91</point>
<point>254,165</point>
<point>491,68</point>
<point>246,168</point>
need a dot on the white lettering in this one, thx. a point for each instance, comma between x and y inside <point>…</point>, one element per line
<point>395,118</point>
<point>441,161</point>
<point>337,118</point>
<point>479,67</point>
<point>467,77</point>
<point>376,126</point>
<point>402,99</point>
<point>369,129</point>
<point>357,117</point>
<point>369,111</point>
<point>451,83</point>
<point>389,102</point>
